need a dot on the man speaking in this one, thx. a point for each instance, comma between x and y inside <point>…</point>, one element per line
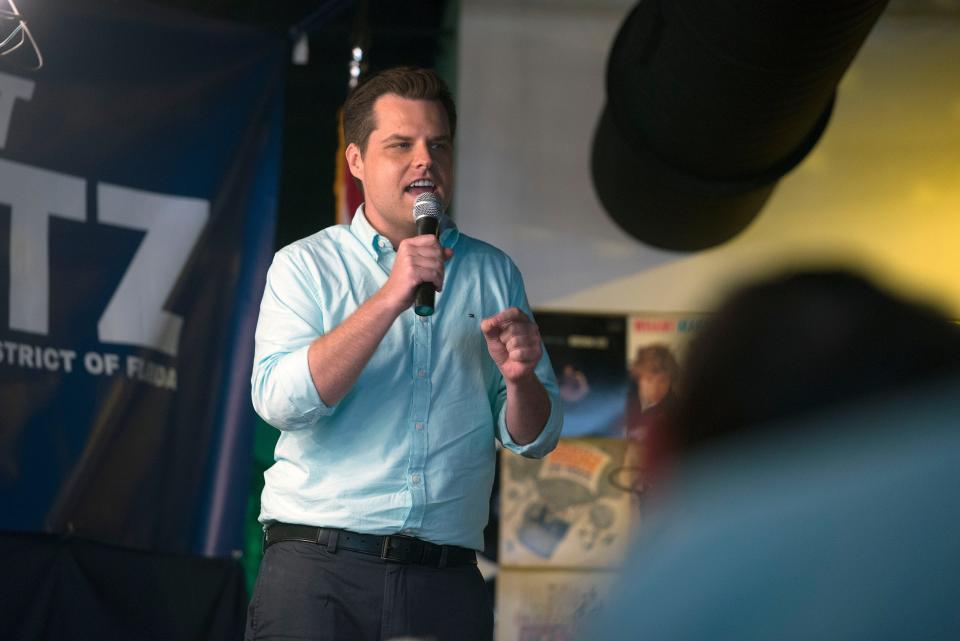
<point>379,494</point>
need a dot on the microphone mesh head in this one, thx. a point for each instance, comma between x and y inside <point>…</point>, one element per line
<point>427,204</point>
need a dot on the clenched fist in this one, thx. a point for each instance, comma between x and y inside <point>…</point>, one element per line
<point>513,341</point>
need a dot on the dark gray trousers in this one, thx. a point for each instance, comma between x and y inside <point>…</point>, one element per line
<point>304,592</point>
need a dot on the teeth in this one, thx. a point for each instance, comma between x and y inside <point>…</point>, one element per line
<point>422,183</point>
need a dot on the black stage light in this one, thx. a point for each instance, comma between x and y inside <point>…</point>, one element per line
<point>709,104</point>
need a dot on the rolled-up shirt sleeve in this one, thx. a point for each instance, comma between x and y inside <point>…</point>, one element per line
<point>291,318</point>
<point>548,438</point>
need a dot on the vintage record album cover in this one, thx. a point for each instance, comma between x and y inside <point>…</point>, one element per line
<point>587,353</point>
<point>549,605</point>
<point>563,510</point>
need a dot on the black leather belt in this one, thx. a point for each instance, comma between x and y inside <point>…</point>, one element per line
<point>395,547</point>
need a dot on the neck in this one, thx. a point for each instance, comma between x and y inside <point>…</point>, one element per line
<point>394,233</point>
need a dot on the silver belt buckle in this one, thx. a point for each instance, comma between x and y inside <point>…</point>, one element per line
<point>384,548</point>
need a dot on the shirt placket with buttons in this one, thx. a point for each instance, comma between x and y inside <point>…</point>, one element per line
<point>420,405</point>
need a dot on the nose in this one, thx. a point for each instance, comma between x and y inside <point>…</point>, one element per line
<point>422,156</point>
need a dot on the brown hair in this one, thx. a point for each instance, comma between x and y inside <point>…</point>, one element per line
<point>407,82</point>
<point>655,358</point>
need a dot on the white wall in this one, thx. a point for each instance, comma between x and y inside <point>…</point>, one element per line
<point>881,191</point>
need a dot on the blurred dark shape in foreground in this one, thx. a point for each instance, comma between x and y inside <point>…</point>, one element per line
<point>709,104</point>
<point>815,475</point>
<point>803,342</point>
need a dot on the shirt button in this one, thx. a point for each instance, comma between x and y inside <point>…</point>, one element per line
<point>416,478</point>
<point>419,426</point>
<point>421,373</point>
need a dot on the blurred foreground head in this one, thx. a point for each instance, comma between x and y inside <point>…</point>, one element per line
<point>801,343</point>
<point>818,466</point>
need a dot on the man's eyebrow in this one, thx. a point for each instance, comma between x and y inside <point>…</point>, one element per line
<point>402,138</point>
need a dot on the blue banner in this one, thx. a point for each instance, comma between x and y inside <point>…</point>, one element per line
<point>139,153</point>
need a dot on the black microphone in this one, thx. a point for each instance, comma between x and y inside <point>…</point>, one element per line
<point>426,212</point>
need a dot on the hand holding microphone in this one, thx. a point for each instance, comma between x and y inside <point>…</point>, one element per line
<point>426,213</point>
<point>419,267</point>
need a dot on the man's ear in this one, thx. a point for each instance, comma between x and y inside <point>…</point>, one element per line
<point>355,161</point>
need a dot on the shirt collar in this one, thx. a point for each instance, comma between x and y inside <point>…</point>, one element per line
<point>371,239</point>
<point>361,228</point>
<point>449,234</point>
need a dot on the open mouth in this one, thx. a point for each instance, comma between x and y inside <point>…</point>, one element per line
<point>420,186</point>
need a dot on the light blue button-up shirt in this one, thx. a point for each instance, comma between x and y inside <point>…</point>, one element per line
<point>411,448</point>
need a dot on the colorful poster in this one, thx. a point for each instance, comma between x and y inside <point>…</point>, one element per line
<point>549,605</point>
<point>563,510</point>
<point>587,353</point>
<point>656,349</point>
